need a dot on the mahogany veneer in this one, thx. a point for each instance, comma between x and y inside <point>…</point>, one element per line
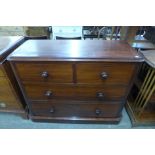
<point>86,80</point>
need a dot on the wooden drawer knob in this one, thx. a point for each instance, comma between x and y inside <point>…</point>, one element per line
<point>100,95</point>
<point>2,105</point>
<point>98,111</point>
<point>44,74</point>
<point>48,93</point>
<point>104,75</point>
<point>52,110</point>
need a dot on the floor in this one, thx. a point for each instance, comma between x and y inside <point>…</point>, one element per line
<point>10,121</point>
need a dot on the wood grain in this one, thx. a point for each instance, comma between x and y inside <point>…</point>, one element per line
<point>74,88</point>
<point>75,110</point>
<point>118,73</point>
<point>10,99</point>
<point>57,72</point>
<point>75,50</point>
<point>8,44</point>
<point>78,92</point>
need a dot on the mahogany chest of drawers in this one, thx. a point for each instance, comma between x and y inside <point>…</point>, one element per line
<point>10,96</point>
<point>86,80</point>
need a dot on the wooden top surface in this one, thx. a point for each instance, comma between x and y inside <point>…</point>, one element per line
<point>149,56</point>
<point>6,43</point>
<point>71,50</point>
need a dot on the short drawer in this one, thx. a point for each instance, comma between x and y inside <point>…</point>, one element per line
<point>78,92</point>
<point>75,110</point>
<point>107,73</point>
<point>49,72</point>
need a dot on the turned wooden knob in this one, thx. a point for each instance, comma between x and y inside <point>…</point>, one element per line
<point>44,74</point>
<point>104,75</point>
<point>100,95</point>
<point>52,110</point>
<point>2,105</point>
<point>98,111</point>
<point>48,93</point>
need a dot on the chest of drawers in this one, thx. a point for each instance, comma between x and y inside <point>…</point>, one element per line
<point>75,80</point>
<point>10,96</point>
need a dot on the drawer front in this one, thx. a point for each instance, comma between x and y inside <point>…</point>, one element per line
<point>8,100</point>
<point>52,72</point>
<point>75,110</point>
<point>107,73</point>
<point>78,92</point>
<point>10,105</point>
<point>1,71</point>
<point>6,92</point>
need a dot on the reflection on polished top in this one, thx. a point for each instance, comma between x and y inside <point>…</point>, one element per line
<point>75,50</point>
<point>6,42</point>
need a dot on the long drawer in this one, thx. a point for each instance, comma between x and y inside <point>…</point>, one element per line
<point>6,90</point>
<point>75,110</point>
<point>1,72</point>
<point>104,73</point>
<point>8,98</point>
<point>78,92</point>
<point>10,105</point>
<point>48,72</point>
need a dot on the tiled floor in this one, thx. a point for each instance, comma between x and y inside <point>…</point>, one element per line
<point>10,121</point>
